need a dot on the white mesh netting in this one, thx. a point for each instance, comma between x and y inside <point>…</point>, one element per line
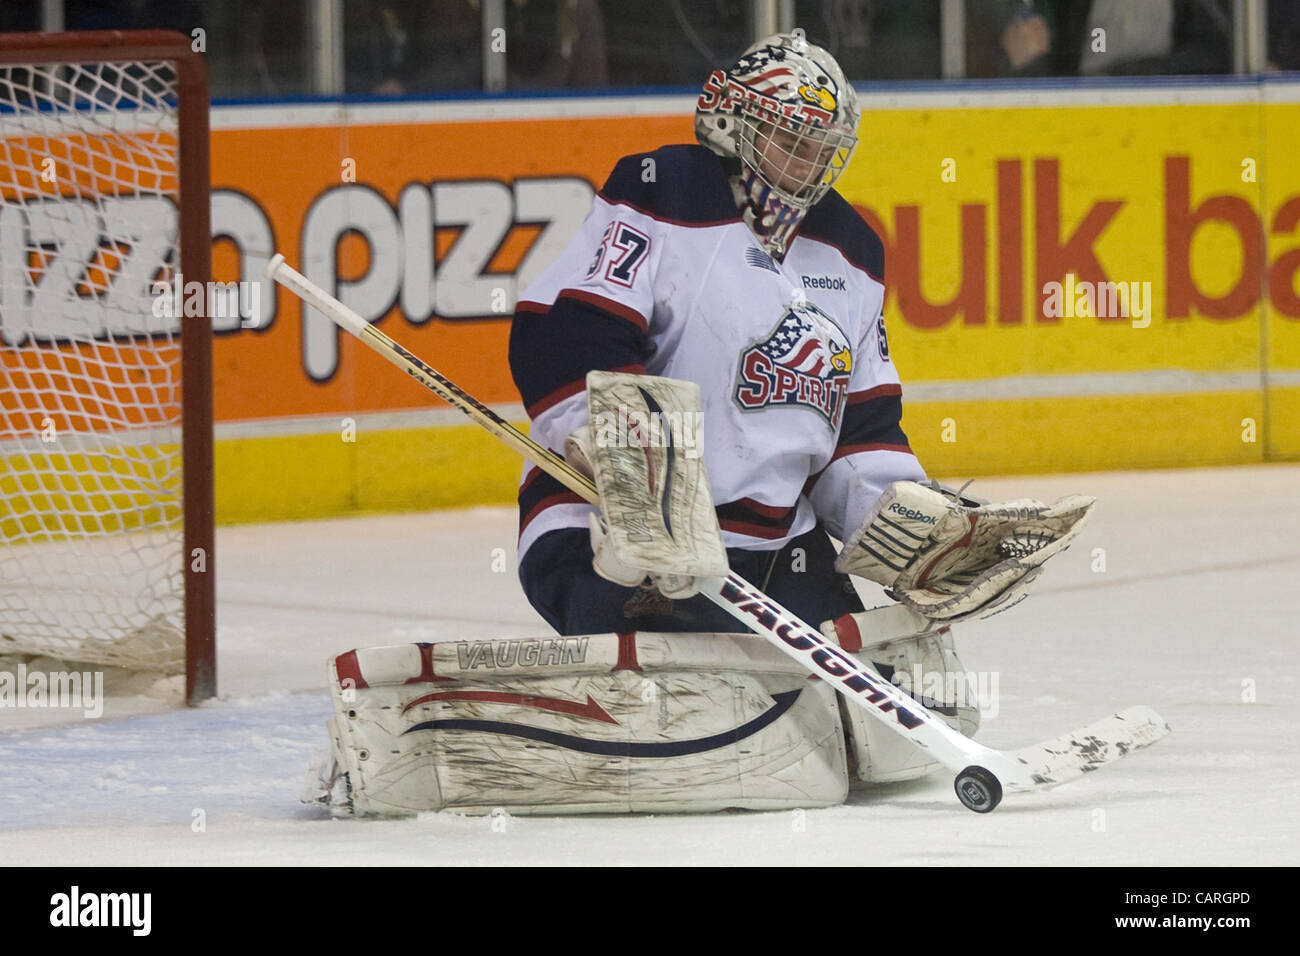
<point>90,463</point>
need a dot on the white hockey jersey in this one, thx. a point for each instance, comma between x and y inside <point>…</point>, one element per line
<point>801,403</point>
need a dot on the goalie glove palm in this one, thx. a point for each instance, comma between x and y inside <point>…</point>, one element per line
<point>949,561</point>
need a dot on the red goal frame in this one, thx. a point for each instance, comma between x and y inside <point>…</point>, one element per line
<point>125,46</point>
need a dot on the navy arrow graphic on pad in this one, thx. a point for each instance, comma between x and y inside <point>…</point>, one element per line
<point>622,748</point>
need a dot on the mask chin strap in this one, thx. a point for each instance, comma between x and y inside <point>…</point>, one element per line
<point>771,218</point>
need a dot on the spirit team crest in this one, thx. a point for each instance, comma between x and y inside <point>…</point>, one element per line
<point>805,361</point>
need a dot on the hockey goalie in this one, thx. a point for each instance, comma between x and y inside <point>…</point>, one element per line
<point>710,350</point>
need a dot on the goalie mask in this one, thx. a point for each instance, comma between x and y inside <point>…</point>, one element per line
<point>786,111</point>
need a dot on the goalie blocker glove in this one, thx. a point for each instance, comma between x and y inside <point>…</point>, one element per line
<point>642,449</point>
<point>950,560</point>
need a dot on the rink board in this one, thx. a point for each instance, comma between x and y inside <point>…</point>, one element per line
<point>418,218</point>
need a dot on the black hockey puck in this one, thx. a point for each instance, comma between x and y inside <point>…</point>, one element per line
<point>978,789</point>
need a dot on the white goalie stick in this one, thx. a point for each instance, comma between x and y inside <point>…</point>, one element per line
<point>982,773</point>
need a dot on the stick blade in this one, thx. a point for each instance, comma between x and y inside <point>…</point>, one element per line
<point>1082,751</point>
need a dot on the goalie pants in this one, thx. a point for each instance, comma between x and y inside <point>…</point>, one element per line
<point>561,584</point>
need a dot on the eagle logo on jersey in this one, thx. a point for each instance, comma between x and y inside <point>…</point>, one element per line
<point>804,361</point>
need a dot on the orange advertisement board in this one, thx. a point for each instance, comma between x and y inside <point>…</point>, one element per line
<point>423,228</point>
<point>1075,279</point>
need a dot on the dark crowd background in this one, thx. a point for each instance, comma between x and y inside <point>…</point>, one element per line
<point>269,48</point>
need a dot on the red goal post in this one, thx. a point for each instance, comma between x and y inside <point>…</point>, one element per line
<point>103,155</point>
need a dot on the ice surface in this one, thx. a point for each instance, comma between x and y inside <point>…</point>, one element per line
<point>1195,612</point>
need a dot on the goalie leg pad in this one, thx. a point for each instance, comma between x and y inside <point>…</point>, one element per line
<point>596,724</point>
<point>927,667</point>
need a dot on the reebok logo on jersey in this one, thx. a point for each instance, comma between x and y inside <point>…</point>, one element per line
<point>830,283</point>
<point>804,361</point>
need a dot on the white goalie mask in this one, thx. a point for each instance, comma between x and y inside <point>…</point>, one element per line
<point>786,111</point>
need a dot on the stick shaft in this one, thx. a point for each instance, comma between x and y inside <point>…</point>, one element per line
<point>430,378</point>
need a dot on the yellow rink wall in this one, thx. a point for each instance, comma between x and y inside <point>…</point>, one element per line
<point>429,218</point>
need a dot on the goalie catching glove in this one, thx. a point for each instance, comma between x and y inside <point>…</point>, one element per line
<point>642,449</point>
<point>948,559</point>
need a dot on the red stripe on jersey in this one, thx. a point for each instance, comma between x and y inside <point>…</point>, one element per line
<point>877,446</point>
<point>616,309</point>
<point>532,308</point>
<point>563,498</point>
<point>768,511</point>
<point>573,388</point>
<point>758,520</point>
<point>753,530</point>
<point>532,475</point>
<point>847,450</point>
<point>670,221</point>
<point>856,398</point>
<point>557,396</point>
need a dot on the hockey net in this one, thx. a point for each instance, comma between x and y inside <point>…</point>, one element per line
<point>105,409</point>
